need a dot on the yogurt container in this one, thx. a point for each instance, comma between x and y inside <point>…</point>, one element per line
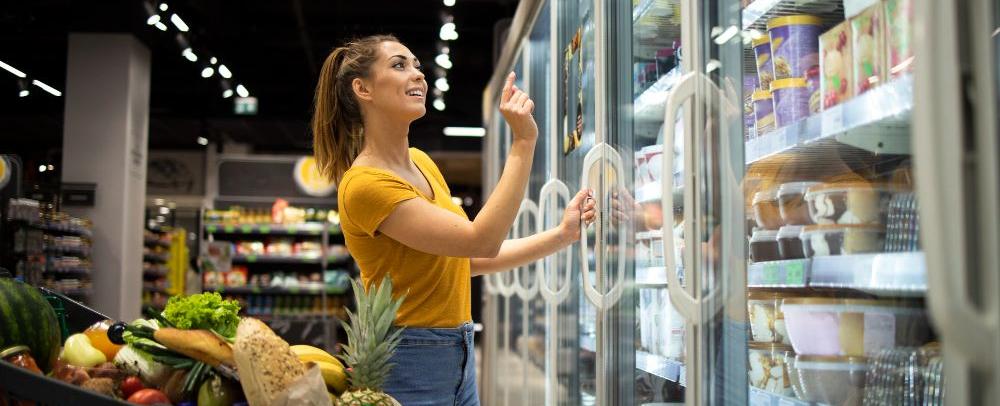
<point>794,44</point>
<point>763,111</point>
<point>791,100</point>
<point>765,65</point>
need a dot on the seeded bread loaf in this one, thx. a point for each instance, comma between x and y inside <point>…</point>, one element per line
<point>266,364</point>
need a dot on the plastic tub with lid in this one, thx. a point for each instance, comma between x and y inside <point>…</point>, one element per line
<point>852,327</point>
<point>849,202</point>
<point>836,381</point>
<point>792,203</point>
<point>766,211</point>
<point>842,239</point>
<point>767,369</point>
<point>764,246</point>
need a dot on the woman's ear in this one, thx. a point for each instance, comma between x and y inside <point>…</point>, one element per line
<point>361,89</point>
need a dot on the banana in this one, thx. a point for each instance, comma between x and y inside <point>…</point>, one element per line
<point>333,375</point>
<point>308,353</point>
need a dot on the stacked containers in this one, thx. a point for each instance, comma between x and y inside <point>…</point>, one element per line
<point>795,51</point>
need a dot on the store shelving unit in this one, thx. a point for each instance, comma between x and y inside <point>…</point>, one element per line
<point>663,367</point>
<point>895,274</point>
<point>306,229</point>
<point>288,259</point>
<point>760,397</point>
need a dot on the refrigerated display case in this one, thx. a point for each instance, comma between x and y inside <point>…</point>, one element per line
<point>797,204</point>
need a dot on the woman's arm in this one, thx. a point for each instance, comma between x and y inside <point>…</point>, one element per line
<point>423,226</point>
<point>521,251</point>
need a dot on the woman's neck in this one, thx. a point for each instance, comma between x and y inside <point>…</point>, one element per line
<point>386,141</point>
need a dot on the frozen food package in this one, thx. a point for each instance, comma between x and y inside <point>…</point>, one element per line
<point>791,100</point>
<point>868,44</point>
<point>765,65</point>
<point>794,46</point>
<point>836,65</point>
<point>763,110</point>
<point>749,120</point>
<point>898,34</point>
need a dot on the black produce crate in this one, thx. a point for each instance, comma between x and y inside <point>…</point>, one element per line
<point>20,384</point>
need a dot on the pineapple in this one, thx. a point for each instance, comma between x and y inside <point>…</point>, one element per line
<point>370,344</point>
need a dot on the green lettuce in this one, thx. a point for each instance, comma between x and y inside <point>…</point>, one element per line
<point>204,311</point>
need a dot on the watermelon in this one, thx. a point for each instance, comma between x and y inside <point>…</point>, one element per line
<point>26,318</point>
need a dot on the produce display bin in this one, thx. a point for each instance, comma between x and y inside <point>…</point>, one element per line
<point>17,384</point>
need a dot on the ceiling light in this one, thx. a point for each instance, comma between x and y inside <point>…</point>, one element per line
<point>242,91</point>
<point>437,93</point>
<point>189,54</point>
<point>163,7</point>
<point>449,3</point>
<point>164,210</point>
<point>445,50</point>
<point>161,26</point>
<point>443,61</point>
<point>176,19</point>
<point>465,131</point>
<point>207,72</point>
<point>439,104</point>
<point>224,72</point>
<point>23,93</point>
<point>13,70</point>
<point>442,84</point>
<point>42,168</point>
<point>202,141</point>
<point>448,32</point>
<point>213,61</point>
<point>52,167</point>
<point>158,201</point>
<point>227,93</point>
<point>153,19</point>
<point>46,88</point>
<point>161,219</point>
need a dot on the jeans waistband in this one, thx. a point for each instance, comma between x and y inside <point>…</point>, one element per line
<point>439,333</point>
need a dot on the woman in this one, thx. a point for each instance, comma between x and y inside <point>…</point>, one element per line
<point>398,218</point>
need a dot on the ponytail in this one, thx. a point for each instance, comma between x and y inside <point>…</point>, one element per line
<point>337,125</point>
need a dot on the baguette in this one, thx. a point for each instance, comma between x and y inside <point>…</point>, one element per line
<point>266,364</point>
<point>201,345</point>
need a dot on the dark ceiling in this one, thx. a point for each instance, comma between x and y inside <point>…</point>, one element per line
<point>275,48</point>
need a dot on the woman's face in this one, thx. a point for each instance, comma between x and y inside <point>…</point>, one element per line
<point>397,85</point>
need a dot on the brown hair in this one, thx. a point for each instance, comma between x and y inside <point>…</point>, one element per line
<point>337,125</point>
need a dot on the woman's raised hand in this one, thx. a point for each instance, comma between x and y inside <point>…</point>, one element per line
<point>516,107</point>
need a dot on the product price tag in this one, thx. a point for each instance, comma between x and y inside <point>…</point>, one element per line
<point>771,274</point>
<point>795,273</point>
<point>229,229</point>
<point>211,228</point>
<point>247,229</point>
<point>315,231</point>
<point>251,258</point>
<point>265,229</point>
<point>292,229</point>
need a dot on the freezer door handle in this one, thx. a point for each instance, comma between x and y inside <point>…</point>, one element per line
<point>551,192</point>
<point>602,152</point>
<point>530,209</point>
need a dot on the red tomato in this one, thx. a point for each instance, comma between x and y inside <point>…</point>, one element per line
<point>131,385</point>
<point>149,397</point>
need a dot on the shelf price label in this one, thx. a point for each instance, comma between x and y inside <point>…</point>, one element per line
<point>795,273</point>
<point>211,228</point>
<point>246,229</point>
<point>251,258</point>
<point>265,229</point>
<point>255,289</point>
<point>770,272</point>
<point>229,229</point>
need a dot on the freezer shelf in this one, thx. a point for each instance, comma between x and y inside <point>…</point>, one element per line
<point>663,367</point>
<point>650,105</point>
<point>759,397</point>
<point>876,121</point>
<point>651,277</point>
<point>903,274</point>
<point>756,14</point>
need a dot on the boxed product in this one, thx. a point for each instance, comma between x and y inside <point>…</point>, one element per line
<point>898,34</point>
<point>868,44</point>
<point>836,65</point>
<point>237,277</point>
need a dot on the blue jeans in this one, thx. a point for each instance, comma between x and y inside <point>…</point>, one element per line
<point>434,367</point>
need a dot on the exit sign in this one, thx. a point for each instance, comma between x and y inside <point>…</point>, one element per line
<point>246,106</point>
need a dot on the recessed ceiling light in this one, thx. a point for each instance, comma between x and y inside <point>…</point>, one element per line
<point>207,72</point>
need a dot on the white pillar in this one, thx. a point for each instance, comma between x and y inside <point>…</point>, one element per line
<point>105,134</point>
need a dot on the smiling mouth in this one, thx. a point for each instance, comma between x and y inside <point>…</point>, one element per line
<point>416,93</point>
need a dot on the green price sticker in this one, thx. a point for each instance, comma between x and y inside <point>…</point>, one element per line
<point>265,229</point>
<point>293,290</point>
<point>255,289</point>
<point>292,229</point>
<point>247,229</point>
<point>795,273</point>
<point>770,274</point>
<point>211,228</point>
<point>229,229</point>
<point>251,258</point>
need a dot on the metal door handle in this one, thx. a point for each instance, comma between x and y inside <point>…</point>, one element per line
<point>553,189</point>
<point>601,301</point>
<point>529,208</point>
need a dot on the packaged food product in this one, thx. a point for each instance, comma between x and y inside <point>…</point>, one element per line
<point>749,121</point>
<point>793,373</point>
<point>832,380</point>
<point>237,277</point>
<point>852,327</point>
<point>813,84</point>
<point>899,33</point>
<point>868,44</point>
<point>665,61</point>
<point>767,322</point>
<point>765,209</point>
<point>792,204</point>
<point>789,242</point>
<point>763,111</point>
<point>842,239</point>
<point>654,162</point>
<point>767,370</point>
<point>794,44</point>
<point>765,65</point>
<point>764,246</point>
<point>836,65</point>
<point>212,280</point>
<point>791,100</point>
<point>20,356</point>
<point>849,203</point>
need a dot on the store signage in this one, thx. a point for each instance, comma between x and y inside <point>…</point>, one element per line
<point>245,106</point>
<point>309,180</point>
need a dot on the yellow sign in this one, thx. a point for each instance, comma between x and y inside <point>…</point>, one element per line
<point>310,181</point>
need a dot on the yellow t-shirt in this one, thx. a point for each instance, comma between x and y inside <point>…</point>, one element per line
<point>438,288</point>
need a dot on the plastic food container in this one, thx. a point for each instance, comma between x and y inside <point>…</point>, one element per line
<point>767,322</point>
<point>749,120</point>
<point>766,211</point>
<point>836,62</point>
<point>842,239</point>
<point>868,43</point>
<point>654,162</point>
<point>763,111</point>
<point>794,44</point>
<point>767,369</point>
<point>790,243</point>
<point>792,203</point>
<point>764,246</point>
<point>848,203</point>
<point>793,373</point>
<point>791,100</point>
<point>765,65</point>
<point>836,381</point>
<point>852,327</point>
